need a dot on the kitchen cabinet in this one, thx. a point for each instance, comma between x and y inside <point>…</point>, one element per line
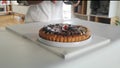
<point>106,10</point>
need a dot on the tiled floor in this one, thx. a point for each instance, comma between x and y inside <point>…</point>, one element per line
<point>7,20</point>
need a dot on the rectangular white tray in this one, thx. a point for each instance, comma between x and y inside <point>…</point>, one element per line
<point>70,52</point>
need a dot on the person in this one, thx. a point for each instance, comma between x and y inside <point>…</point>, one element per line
<point>77,6</point>
<point>44,11</point>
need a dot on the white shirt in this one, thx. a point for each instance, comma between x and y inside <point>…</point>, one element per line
<point>44,12</point>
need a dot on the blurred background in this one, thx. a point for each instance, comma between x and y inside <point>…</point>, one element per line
<point>106,12</point>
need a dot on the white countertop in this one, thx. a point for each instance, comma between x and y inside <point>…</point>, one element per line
<point>17,52</point>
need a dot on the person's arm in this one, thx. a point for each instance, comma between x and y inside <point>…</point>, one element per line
<point>33,2</point>
<point>76,4</point>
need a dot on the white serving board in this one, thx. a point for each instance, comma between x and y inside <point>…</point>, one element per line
<point>70,52</point>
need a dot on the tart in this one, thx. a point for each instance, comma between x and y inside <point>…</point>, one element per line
<point>64,33</point>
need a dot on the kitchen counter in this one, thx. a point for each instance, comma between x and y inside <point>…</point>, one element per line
<point>18,52</point>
